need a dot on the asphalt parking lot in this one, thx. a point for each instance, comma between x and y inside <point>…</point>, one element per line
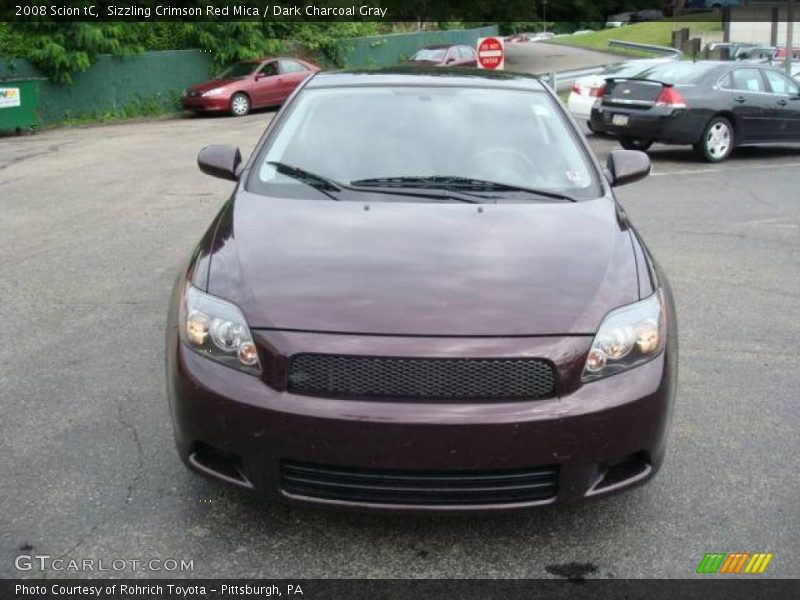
<point>94,223</point>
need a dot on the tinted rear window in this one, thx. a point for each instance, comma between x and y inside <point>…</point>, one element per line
<point>679,72</point>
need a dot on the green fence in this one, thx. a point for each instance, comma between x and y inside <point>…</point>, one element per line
<point>116,84</point>
<point>154,80</point>
<point>382,50</point>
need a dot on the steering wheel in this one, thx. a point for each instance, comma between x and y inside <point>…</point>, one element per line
<point>519,166</point>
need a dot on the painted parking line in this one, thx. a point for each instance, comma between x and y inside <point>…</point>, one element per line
<point>722,169</point>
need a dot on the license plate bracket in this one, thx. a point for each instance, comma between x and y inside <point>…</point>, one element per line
<point>619,120</point>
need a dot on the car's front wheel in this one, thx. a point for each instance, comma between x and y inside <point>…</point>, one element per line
<point>240,105</point>
<point>635,144</point>
<point>717,141</point>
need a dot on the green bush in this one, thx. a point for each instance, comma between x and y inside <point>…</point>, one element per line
<point>60,50</point>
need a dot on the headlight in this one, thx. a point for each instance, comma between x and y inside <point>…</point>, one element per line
<point>217,329</point>
<point>214,92</point>
<point>627,337</point>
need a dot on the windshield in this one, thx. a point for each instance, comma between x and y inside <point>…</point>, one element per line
<point>346,135</point>
<point>238,70</point>
<point>432,54</point>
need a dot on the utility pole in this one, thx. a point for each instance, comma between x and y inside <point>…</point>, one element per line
<point>789,35</point>
<point>544,15</point>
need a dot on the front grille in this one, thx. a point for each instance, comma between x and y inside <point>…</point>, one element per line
<point>421,378</point>
<point>440,488</point>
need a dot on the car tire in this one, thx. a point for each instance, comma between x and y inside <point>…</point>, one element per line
<point>591,128</point>
<point>635,144</point>
<point>717,141</point>
<point>240,104</point>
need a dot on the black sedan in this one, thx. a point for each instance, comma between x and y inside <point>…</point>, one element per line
<point>714,106</point>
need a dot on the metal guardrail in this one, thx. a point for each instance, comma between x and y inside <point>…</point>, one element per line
<point>652,49</point>
<point>562,80</point>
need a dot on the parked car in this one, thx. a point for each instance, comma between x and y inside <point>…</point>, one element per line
<point>647,15</point>
<point>714,106</point>
<point>618,20</point>
<point>527,37</point>
<point>248,84</point>
<point>725,50</point>
<point>587,90</point>
<point>445,55</point>
<point>781,53</point>
<point>765,54</point>
<point>443,310</point>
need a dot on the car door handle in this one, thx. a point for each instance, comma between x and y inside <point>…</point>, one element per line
<point>781,102</point>
<point>739,99</point>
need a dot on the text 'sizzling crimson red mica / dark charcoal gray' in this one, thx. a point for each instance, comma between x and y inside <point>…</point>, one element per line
<point>442,344</point>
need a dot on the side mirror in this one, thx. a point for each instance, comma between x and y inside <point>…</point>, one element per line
<point>627,166</point>
<point>221,161</point>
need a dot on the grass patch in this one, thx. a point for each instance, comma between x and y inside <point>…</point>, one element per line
<point>658,33</point>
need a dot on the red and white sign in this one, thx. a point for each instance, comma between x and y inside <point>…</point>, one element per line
<point>491,53</point>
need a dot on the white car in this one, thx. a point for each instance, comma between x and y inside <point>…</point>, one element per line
<point>586,90</point>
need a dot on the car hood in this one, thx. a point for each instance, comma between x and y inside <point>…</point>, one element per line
<point>416,268</point>
<point>210,85</point>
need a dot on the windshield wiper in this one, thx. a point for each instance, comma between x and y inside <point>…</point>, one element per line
<point>326,185</point>
<point>318,182</point>
<point>448,182</point>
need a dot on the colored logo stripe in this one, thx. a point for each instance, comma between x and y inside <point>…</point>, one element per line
<point>758,563</point>
<point>735,562</point>
<point>711,562</point>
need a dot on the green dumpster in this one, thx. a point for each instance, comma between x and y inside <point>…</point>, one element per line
<point>19,103</point>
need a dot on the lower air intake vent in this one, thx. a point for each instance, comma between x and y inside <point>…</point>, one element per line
<point>440,488</point>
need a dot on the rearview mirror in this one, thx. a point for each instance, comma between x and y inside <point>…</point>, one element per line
<point>220,160</point>
<point>627,166</point>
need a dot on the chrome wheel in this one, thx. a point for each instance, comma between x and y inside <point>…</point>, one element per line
<point>718,140</point>
<point>240,105</point>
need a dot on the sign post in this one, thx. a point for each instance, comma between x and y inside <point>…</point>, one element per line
<point>491,53</point>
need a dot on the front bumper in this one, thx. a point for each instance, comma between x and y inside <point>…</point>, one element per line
<point>210,104</point>
<point>585,432</point>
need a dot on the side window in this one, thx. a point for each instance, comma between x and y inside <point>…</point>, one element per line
<point>291,66</point>
<point>780,84</point>
<point>726,83</point>
<point>468,53</point>
<point>269,69</point>
<point>747,80</point>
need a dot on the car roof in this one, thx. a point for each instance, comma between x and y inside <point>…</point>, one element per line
<point>438,46</point>
<point>426,76</point>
